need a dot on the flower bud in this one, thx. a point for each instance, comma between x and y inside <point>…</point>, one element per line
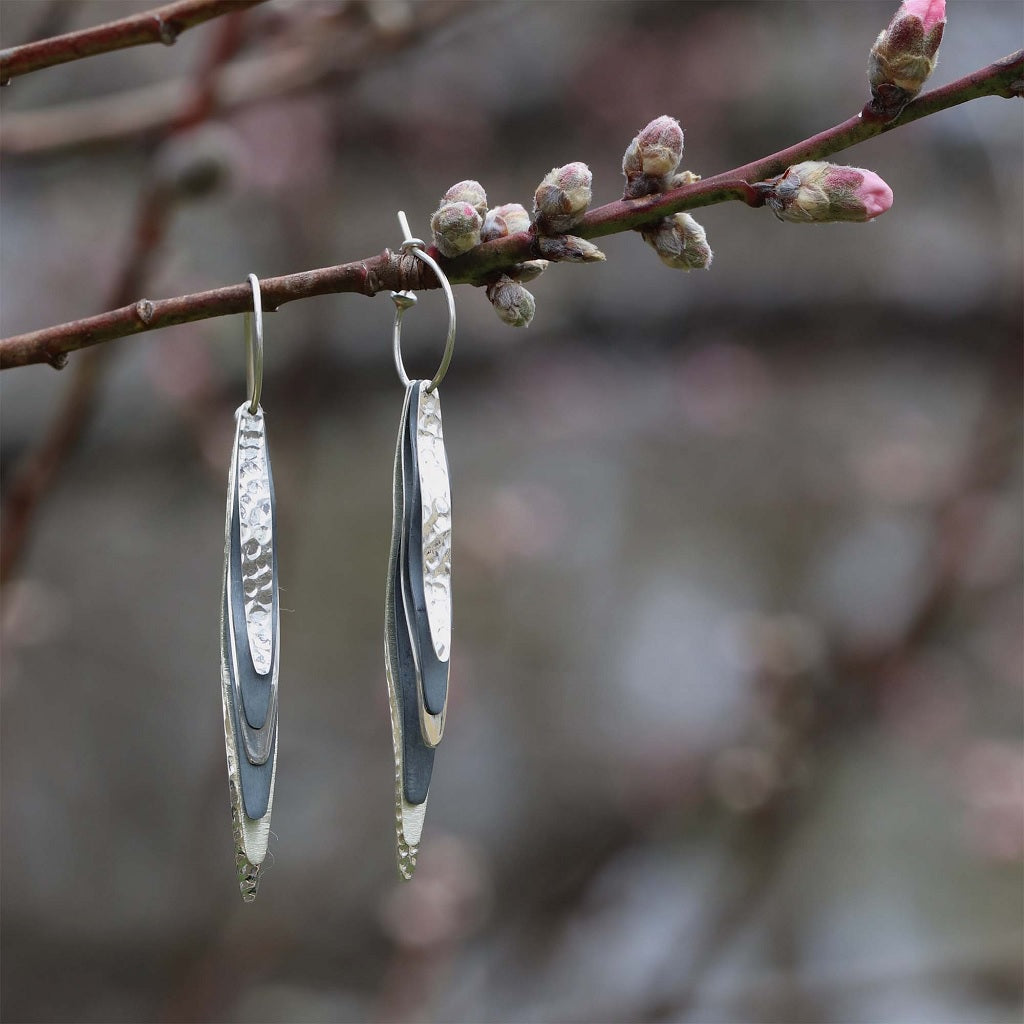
<point>509,219</point>
<point>511,301</point>
<point>904,54</point>
<point>680,242</point>
<point>562,198</point>
<point>568,249</point>
<point>468,191</point>
<point>659,147</point>
<point>820,192</point>
<point>456,228</point>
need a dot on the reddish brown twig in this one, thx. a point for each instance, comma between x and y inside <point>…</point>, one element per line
<point>387,271</point>
<point>162,25</point>
<point>344,48</point>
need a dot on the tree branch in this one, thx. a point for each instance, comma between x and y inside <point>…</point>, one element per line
<point>388,271</point>
<point>162,25</point>
<point>339,53</point>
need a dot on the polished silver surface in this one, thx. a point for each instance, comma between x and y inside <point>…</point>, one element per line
<point>254,345</point>
<point>257,537</point>
<point>402,301</point>
<point>436,500</point>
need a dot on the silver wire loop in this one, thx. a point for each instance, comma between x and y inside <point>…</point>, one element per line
<point>404,300</point>
<point>254,347</point>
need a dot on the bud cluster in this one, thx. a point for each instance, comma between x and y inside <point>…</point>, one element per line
<point>904,55</point>
<point>817,192</point>
<point>650,164</point>
<point>463,221</point>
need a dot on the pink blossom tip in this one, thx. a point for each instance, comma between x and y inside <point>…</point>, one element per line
<point>929,12</point>
<point>874,194</point>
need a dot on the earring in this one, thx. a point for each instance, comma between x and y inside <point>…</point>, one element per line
<point>418,601</point>
<point>250,621</point>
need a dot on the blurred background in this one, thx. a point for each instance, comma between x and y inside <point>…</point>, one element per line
<point>735,731</point>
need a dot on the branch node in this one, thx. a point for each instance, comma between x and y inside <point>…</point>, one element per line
<point>58,360</point>
<point>167,32</point>
<point>371,283</point>
<point>144,309</point>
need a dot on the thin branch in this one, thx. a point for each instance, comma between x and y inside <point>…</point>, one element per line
<point>162,25</point>
<point>340,52</point>
<point>388,271</point>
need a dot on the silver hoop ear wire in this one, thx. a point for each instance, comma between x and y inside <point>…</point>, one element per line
<point>254,347</point>
<point>403,300</point>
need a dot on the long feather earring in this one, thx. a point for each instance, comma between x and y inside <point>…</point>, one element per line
<point>250,622</point>
<point>418,601</point>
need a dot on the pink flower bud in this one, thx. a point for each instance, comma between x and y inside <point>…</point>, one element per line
<point>929,12</point>
<point>562,198</point>
<point>874,194</point>
<point>904,54</point>
<point>659,147</point>
<point>456,228</point>
<point>511,301</point>
<point>569,249</point>
<point>509,219</point>
<point>817,192</point>
<point>680,242</point>
<point>468,191</point>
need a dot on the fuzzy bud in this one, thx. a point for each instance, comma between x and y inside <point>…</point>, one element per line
<point>659,147</point>
<point>562,198</point>
<point>817,192</point>
<point>652,157</point>
<point>568,249</point>
<point>456,228</point>
<point>511,301</point>
<point>529,271</point>
<point>509,219</point>
<point>904,54</point>
<point>468,191</point>
<point>680,242</point>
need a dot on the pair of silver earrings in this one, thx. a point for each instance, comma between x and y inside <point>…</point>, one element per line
<point>418,600</point>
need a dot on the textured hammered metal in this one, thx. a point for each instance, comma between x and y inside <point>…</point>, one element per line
<point>436,502</point>
<point>413,757</point>
<point>257,536</point>
<point>408,817</point>
<point>249,586</point>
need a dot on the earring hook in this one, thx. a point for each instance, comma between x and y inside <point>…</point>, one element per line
<point>406,299</point>
<point>254,346</point>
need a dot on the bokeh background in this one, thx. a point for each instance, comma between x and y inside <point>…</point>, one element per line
<point>735,731</point>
